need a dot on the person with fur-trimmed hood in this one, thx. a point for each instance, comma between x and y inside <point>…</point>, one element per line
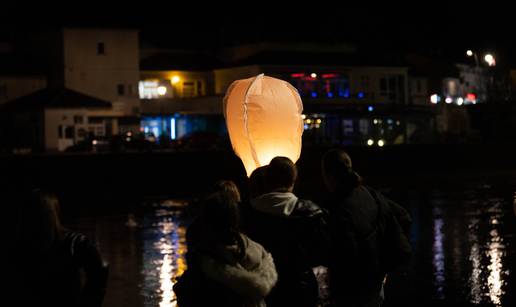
<point>225,267</point>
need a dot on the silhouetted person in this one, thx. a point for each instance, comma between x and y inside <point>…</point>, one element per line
<point>293,230</point>
<point>514,203</point>
<point>258,182</point>
<point>54,266</point>
<point>225,267</point>
<point>193,233</point>
<point>358,215</point>
<point>228,187</point>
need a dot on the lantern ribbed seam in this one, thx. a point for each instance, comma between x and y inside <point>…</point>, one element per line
<point>295,92</point>
<point>246,124</point>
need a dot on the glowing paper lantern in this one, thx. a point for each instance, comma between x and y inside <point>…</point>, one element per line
<point>263,117</point>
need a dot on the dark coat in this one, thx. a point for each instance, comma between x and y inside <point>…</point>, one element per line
<point>295,232</point>
<point>356,265</point>
<point>53,278</point>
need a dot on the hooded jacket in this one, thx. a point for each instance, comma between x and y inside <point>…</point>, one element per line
<point>294,231</point>
<point>227,275</point>
<point>250,277</point>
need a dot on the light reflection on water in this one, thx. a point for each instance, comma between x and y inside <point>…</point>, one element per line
<point>487,251</point>
<point>463,252</point>
<point>495,280</point>
<point>163,255</point>
<point>475,256</point>
<point>438,254</point>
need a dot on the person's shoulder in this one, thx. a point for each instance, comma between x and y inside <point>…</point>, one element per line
<point>78,243</point>
<point>309,209</point>
<point>74,237</point>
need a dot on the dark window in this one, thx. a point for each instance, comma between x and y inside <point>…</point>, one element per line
<point>101,49</point>
<point>400,90</point>
<point>3,90</point>
<point>419,86</point>
<point>60,131</point>
<point>199,88</point>
<point>120,89</point>
<point>81,133</point>
<point>78,119</point>
<point>69,132</point>
<point>383,85</point>
<point>95,120</point>
<point>392,83</point>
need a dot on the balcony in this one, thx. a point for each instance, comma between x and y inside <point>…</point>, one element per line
<point>198,105</point>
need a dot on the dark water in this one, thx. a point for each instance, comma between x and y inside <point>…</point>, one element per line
<point>463,240</point>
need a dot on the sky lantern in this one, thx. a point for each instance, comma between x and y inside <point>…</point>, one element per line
<point>263,117</point>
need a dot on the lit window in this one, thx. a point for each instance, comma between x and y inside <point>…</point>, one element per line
<point>148,89</point>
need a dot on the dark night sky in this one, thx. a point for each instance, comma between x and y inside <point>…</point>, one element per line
<point>444,30</point>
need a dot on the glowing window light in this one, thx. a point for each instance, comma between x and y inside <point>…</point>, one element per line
<point>370,142</point>
<point>162,90</point>
<point>489,58</point>
<point>148,89</point>
<point>328,76</point>
<point>175,79</point>
<point>318,121</point>
<point>434,98</point>
<point>155,131</point>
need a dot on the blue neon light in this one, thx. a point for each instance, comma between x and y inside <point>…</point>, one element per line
<point>172,128</point>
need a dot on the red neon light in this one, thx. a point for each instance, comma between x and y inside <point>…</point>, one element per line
<point>471,96</point>
<point>297,75</point>
<point>329,76</point>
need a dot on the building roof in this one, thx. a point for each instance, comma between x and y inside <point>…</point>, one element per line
<point>55,98</point>
<point>307,54</point>
<point>193,61</point>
